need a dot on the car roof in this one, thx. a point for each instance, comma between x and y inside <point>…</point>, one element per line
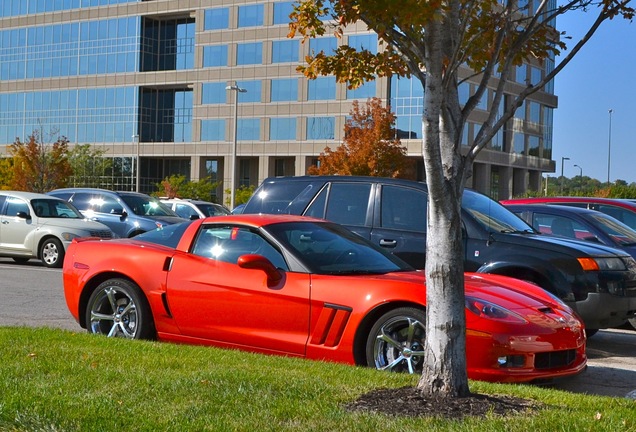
<point>261,219</point>
<point>570,199</point>
<point>555,208</point>
<point>347,178</point>
<point>28,195</point>
<point>98,190</point>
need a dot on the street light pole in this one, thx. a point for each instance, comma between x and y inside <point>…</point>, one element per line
<point>562,160</point>
<point>609,145</point>
<point>236,89</point>
<point>580,175</point>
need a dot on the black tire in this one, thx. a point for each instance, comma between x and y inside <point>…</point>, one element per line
<point>396,341</point>
<point>20,260</point>
<point>52,253</point>
<point>118,308</point>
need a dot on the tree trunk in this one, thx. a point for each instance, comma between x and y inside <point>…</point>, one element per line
<point>444,370</point>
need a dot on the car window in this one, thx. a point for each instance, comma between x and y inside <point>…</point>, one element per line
<point>81,200</point>
<point>52,208</point>
<point>618,231</point>
<point>212,209</point>
<point>228,243</point>
<point>403,209</point>
<point>491,215</point>
<point>348,203</point>
<point>561,226</point>
<point>147,206</point>
<point>628,217</point>
<point>184,211</point>
<point>276,197</point>
<point>16,205</point>
<point>317,207</point>
<point>169,235</point>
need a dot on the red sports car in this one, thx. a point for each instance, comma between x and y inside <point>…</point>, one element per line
<point>304,287</point>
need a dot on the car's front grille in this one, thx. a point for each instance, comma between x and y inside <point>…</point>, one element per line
<point>554,359</point>
<point>105,234</point>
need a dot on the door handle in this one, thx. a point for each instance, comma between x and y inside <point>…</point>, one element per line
<point>388,243</point>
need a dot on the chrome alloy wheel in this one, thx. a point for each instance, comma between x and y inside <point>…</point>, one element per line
<point>113,313</point>
<point>398,341</point>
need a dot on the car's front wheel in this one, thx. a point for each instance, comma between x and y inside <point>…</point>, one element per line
<point>52,253</point>
<point>117,308</point>
<point>396,341</point>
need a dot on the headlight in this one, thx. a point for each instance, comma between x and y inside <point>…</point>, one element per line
<point>485,309</point>
<point>67,236</point>
<point>596,264</point>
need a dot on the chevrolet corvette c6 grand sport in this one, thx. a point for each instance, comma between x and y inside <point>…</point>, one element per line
<point>296,286</point>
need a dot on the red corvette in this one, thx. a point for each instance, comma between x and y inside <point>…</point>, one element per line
<point>304,287</point>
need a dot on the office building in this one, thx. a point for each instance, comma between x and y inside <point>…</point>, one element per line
<point>153,85</point>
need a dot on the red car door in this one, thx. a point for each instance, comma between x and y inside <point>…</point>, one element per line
<point>212,298</point>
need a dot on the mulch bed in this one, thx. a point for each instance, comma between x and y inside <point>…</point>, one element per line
<point>408,401</point>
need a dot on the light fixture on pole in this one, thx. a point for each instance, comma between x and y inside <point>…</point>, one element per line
<point>135,139</point>
<point>580,175</point>
<point>562,160</point>
<point>236,89</point>
<point>609,145</point>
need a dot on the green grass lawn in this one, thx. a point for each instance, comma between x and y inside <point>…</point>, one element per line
<point>54,380</point>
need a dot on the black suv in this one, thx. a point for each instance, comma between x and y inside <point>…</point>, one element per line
<point>599,282</point>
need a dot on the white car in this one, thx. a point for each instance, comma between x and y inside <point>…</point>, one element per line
<point>40,226</point>
<point>195,209</point>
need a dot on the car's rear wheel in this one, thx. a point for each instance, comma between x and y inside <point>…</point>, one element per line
<point>117,308</point>
<point>396,341</point>
<point>52,253</point>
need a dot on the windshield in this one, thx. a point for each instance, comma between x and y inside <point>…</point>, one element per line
<point>53,208</point>
<point>618,231</point>
<point>213,209</point>
<point>143,205</point>
<point>493,216</point>
<point>327,248</point>
<point>169,235</point>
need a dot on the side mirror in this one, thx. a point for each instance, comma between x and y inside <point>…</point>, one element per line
<point>259,262</point>
<point>194,216</point>
<point>23,215</point>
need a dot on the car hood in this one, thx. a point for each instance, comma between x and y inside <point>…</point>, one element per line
<point>80,224</point>
<point>569,246</point>
<point>168,220</point>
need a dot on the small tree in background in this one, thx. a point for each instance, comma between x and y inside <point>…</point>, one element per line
<point>89,165</point>
<point>371,146</point>
<point>176,186</point>
<point>241,195</point>
<point>6,173</point>
<point>38,167</point>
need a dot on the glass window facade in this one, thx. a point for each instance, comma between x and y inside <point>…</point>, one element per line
<point>285,51</point>
<point>364,42</point>
<point>86,48</point>
<point>252,93</point>
<point>167,44</point>
<point>249,53</point>
<point>323,88</point>
<point>214,55</point>
<point>284,90</point>
<point>216,19</point>
<point>213,130</point>
<point>249,129</point>
<point>282,10</point>
<point>166,115</point>
<point>250,15</point>
<point>326,44</point>
<point>282,129</point>
<point>83,116</point>
<point>10,8</point>
<point>321,128</point>
<point>407,101</point>
<point>365,91</point>
<point>213,93</point>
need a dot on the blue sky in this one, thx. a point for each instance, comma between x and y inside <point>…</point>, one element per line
<point>601,77</point>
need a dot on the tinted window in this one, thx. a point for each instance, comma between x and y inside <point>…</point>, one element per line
<point>228,243</point>
<point>348,203</point>
<point>327,248</point>
<point>628,217</point>
<point>52,208</point>
<point>16,205</point>
<point>275,197</point>
<point>491,215</point>
<point>185,211</point>
<point>403,209</point>
<point>169,235</point>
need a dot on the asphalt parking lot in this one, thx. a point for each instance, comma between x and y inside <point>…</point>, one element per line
<point>32,295</point>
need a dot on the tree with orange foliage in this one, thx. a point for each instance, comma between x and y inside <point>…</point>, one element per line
<point>38,167</point>
<point>370,148</point>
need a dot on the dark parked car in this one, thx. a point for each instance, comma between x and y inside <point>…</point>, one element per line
<point>577,223</point>
<point>599,282</point>
<point>622,209</point>
<point>126,213</point>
